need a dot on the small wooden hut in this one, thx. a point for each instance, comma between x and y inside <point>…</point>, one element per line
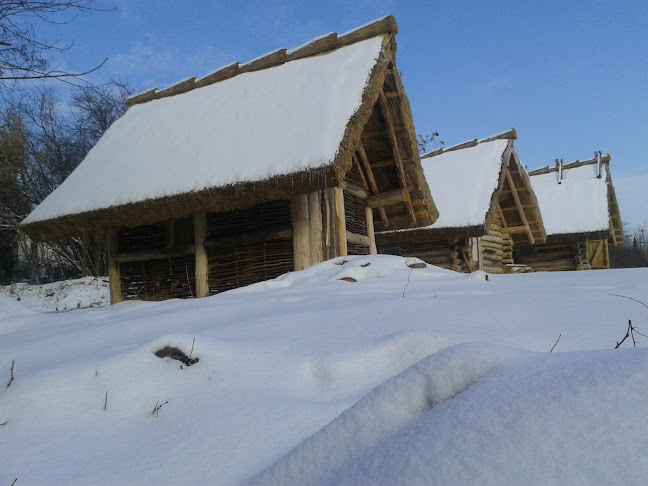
<point>581,215</point>
<point>252,171</point>
<point>486,208</point>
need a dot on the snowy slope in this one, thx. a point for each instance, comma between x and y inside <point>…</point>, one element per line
<point>377,366</point>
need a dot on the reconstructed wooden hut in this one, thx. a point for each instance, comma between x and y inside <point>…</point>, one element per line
<point>486,207</point>
<point>581,216</point>
<point>251,171</point>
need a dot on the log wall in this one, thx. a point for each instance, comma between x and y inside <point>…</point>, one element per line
<point>456,255</point>
<point>552,258</point>
<point>492,246</point>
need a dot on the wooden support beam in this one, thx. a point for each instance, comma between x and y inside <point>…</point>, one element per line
<point>390,163</point>
<point>301,231</point>
<point>315,226</point>
<point>365,182</point>
<point>501,215</point>
<point>393,141</point>
<point>202,266</point>
<point>397,196</point>
<point>354,190</point>
<point>356,239</point>
<point>516,198</point>
<point>156,254</point>
<point>380,132</point>
<point>509,230</point>
<point>114,272</point>
<point>370,231</point>
<point>372,182</point>
<point>341,219</point>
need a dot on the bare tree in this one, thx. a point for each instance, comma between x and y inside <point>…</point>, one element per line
<point>41,142</point>
<point>24,54</point>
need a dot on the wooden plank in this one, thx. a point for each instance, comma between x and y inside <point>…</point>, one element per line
<point>114,272</point>
<point>315,226</point>
<point>370,232</point>
<point>521,212</point>
<point>397,196</point>
<point>301,231</point>
<point>202,266</point>
<point>393,141</point>
<point>156,254</point>
<point>372,181</point>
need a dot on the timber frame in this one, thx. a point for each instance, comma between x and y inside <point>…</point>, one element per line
<point>511,219</point>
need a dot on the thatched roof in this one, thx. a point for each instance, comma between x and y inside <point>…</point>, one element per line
<point>467,181</point>
<point>283,124</point>
<point>578,199</point>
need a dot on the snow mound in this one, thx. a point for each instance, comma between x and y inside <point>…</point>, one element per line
<point>484,414</point>
<point>352,269</point>
<point>59,296</point>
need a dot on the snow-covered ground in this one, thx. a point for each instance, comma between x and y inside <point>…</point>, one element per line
<point>58,296</point>
<point>400,375</point>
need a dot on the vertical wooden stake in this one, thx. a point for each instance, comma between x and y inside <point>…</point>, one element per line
<point>301,231</point>
<point>370,232</point>
<point>114,273</point>
<point>202,266</point>
<point>315,226</point>
<point>341,220</point>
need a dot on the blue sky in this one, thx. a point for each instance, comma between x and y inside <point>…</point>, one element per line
<point>571,77</point>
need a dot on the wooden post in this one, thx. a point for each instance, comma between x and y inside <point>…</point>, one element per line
<point>114,273</point>
<point>202,266</point>
<point>301,231</point>
<point>341,220</point>
<point>370,231</point>
<point>315,226</point>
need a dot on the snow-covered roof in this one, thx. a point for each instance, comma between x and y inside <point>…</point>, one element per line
<point>463,181</point>
<point>577,199</point>
<point>468,181</point>
<point>289,116</point>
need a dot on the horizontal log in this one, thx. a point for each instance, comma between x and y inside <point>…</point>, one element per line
<point>389,198</point>
<point>492,239</point>
<point>356,239</point>
<point>354,190</point>
<point>158,254</point>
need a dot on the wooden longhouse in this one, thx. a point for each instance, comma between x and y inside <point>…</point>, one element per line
<point>486,205</point>
<point>252,171</point>
<point>581,215</point>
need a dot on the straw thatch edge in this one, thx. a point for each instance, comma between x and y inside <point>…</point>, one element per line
<point>429,235</point>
